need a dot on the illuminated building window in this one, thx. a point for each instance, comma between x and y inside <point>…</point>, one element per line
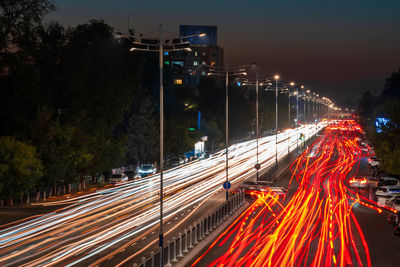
<point>166,62</point>
<point>195,63</point>
<point>195,54</point>
<point>212,63</point>
<point>166,53</point>
<point>178,81</point>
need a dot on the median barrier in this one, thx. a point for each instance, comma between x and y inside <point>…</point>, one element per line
<point>180,246</point>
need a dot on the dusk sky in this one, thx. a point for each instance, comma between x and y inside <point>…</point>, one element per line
<point>337,48</point>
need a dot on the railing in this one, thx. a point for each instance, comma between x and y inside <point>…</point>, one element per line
<point>186,241</point>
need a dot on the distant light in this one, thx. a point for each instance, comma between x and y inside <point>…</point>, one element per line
<point>308,91</point>
<point>276,77</point>
<point>239,83</point>
<point>292,83</point>
<point>188,49</point>
<point>302,87</point>
<point>202,34</point>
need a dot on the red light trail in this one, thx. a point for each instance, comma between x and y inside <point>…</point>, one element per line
<point>316,227</point>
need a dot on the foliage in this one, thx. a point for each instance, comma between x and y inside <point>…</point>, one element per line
<point>143,131</point>
<point>20,168</point>
<point>66,94</point>
<point>386,143</point>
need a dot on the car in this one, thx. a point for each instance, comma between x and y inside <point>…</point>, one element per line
<point>373,162</point>
<point>251,187</point>
<point>358,182</point>
<point>132,175</point>
<point>146,170</point>
<point>118,178</point>
<point>393,202</point>
<point>178,160</point>
<point>387,190</point>
<point>388,181</point>
<point>373,182</point>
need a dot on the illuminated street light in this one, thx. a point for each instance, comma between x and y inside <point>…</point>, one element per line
<point>157,45</point>
<point>227,73</point>
<point>276,77</point>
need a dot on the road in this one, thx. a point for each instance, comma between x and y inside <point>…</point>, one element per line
<point>322,221</point>
<point>96,227</point>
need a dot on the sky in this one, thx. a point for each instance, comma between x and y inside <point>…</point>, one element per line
<point>338,48</point>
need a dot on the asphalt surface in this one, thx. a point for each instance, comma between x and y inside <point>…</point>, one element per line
<point>383,245</point>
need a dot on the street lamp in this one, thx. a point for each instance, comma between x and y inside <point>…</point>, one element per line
<point>276,77</point>
<point>257,83</point>
<point>227,73</point>
<point>157,45</point>
<point>291,84</point>
<point>308,105</point>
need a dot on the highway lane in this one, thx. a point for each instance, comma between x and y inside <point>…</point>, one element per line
<point>96,226</point>
<point>316,226</point>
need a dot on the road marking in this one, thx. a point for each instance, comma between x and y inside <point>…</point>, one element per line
<point>144,238</point>
<point>168,222</point>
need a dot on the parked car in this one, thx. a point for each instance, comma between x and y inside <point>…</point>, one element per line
<point>146,170</point>
<point>373,162</point>
<point>387,190</point>
<point>388,181</point>
<point>358,182</point>
<point>132,175</point>
<point>118,178</point>
<point>179,160</point>
<point>393,202</point>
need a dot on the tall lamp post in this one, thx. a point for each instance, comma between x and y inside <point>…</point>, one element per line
<point>257,84</point>
<point>276,77</point>
<point>291,84</point>
<point>228,72</point>
<point>158,45</point>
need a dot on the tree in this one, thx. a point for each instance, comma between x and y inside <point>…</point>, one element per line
<point>386,142</point>
<point>20,169</point>
<point>143,131</point>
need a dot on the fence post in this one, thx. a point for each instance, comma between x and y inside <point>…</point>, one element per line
<point>190,237</point>
<point>174,254</point>
<point>180,255</point>
<point>206,226</point>
<point>152,258</point>
<point>168,255</point>
<point>214,219</point>
<point>200,230</point>
<point>218,215</point>
<point>195,234</point>
<point>185,250</point>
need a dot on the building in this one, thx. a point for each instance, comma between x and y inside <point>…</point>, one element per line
<point>187,68</point>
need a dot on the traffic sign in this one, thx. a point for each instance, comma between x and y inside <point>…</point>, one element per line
<point>227,185</point>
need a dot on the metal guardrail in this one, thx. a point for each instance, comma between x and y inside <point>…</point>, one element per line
<point>180,245</point>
